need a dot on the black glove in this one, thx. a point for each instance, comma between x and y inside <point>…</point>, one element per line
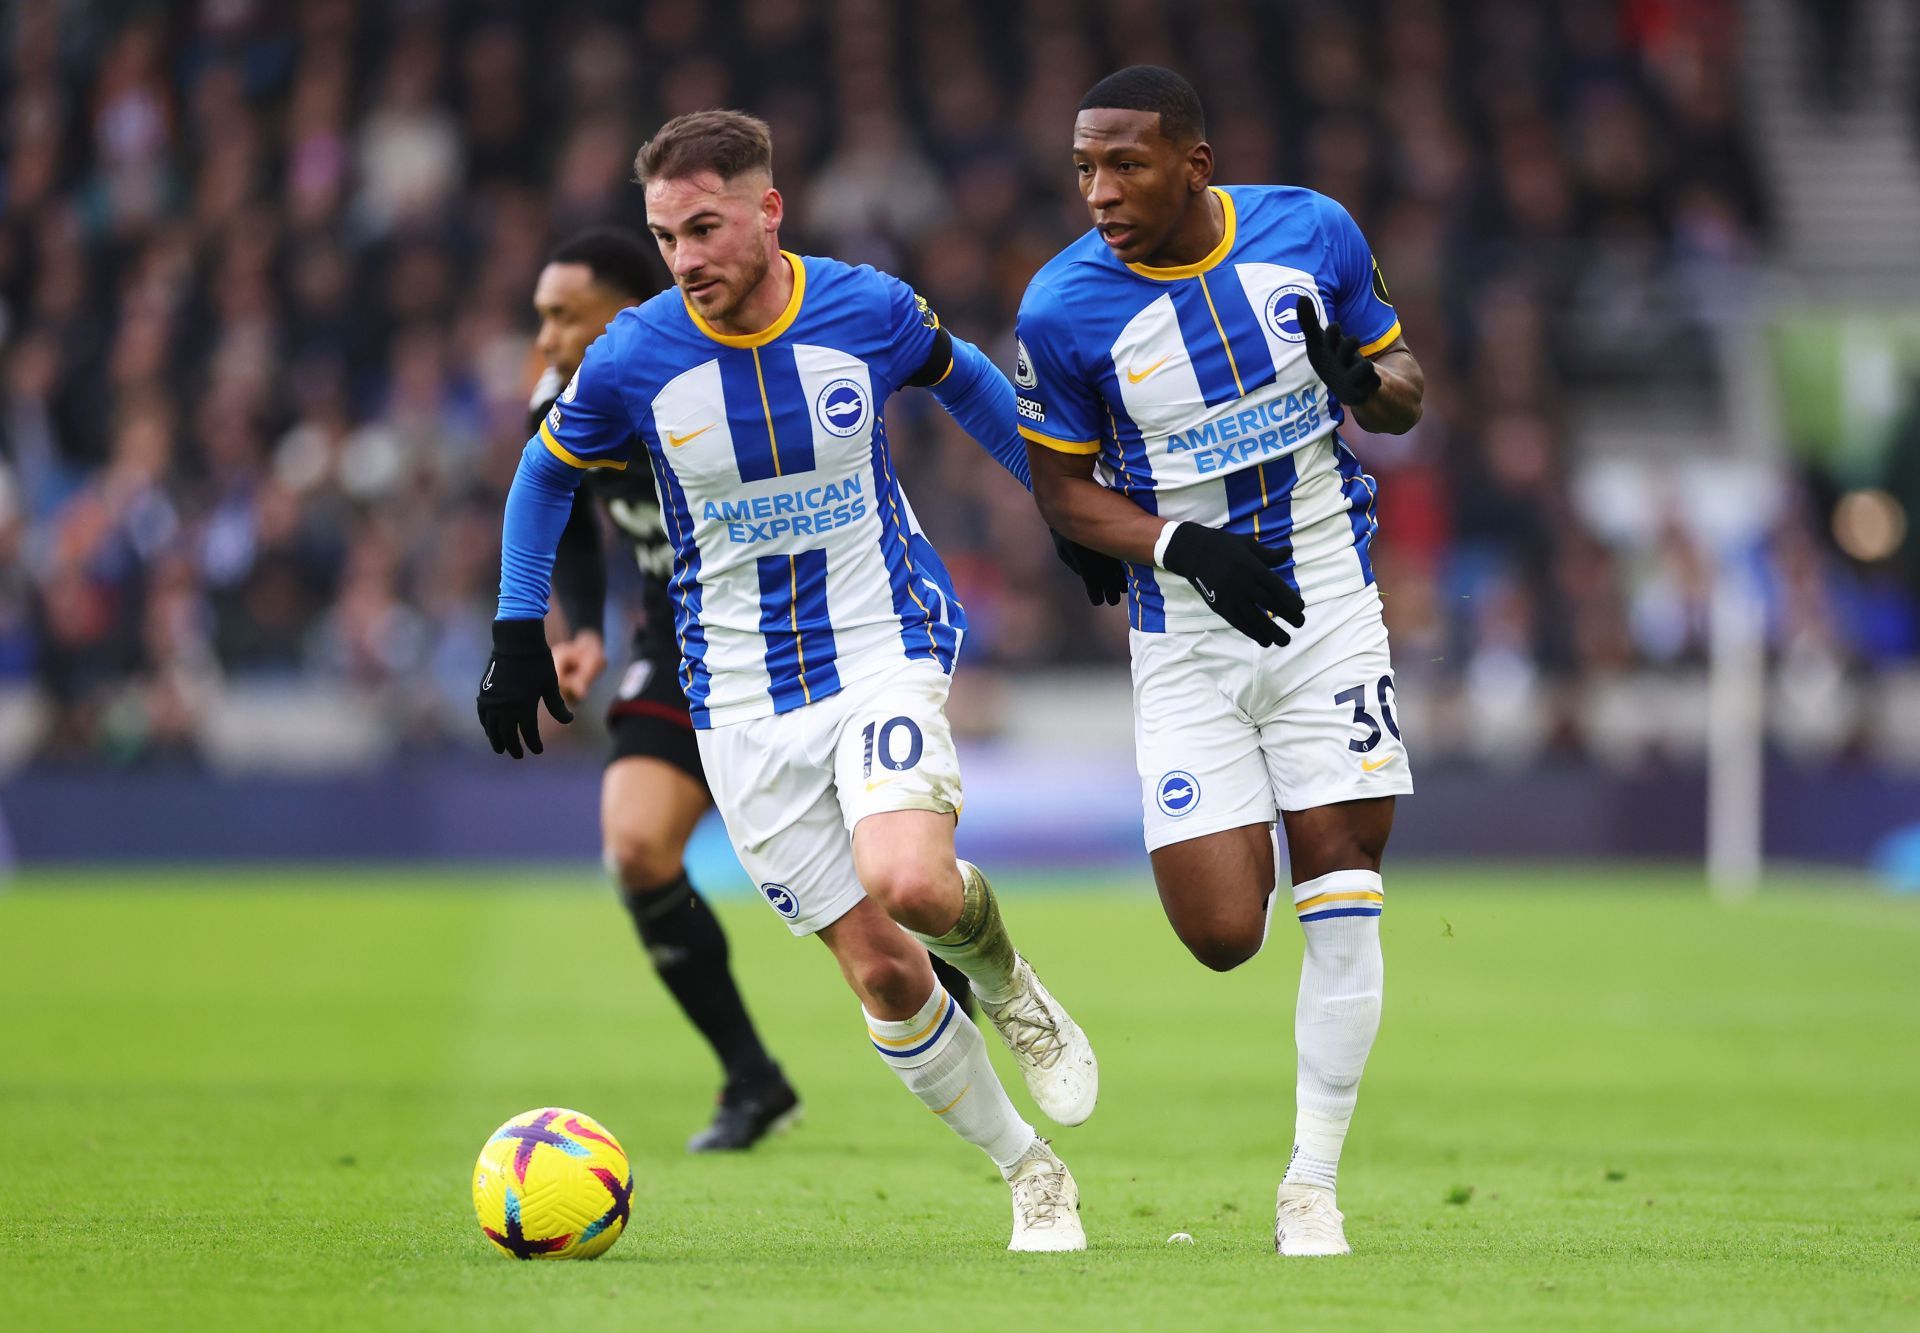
<point>1337,359</point>
<point>519,677</point>
<point>1235,574</point>
<point>1105,577</point>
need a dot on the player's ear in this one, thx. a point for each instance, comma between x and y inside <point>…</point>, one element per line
<point>772,209</point>
<point>1200,166</point>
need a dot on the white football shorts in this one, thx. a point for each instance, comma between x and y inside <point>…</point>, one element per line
<point>1228,733</point>
<point>791,787</point>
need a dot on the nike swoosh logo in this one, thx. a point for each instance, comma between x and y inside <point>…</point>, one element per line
<point>876,786</point>
<point>487,683</point>
<point>1135,376</point>
<point>1375,768</point>
<point>677,440</point>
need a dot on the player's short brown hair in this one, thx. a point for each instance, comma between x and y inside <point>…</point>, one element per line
<point>727,143</point>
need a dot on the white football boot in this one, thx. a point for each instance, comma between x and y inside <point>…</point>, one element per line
<point>1054,1055</point>
<point>1046,1203</point>
<point>1305,1222</point>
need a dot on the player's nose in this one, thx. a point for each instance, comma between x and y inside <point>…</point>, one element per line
<point>1104,190</point>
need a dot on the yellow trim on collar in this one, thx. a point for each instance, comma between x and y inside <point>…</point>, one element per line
<point>773,330</point>
<point>1382,341</point>
<point>1218,253</point>
<point>1060,446</point>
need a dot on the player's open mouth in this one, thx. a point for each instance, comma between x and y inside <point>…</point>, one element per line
<point>700,289</point>
<point>1115,234</point>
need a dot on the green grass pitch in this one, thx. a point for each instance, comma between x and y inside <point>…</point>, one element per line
<point>241,1100</point>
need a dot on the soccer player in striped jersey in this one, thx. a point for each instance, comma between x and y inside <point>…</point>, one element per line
<point>817,626</point>
<point>1182,372</point>
<point>654,791</point>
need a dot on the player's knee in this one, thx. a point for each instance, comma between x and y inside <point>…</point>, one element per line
<point>890,981</point>
<point>640,858</point>
<point>1220,945</point>
<point>919,894</point>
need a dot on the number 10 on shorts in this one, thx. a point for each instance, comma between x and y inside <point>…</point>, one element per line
<point>896,743</point>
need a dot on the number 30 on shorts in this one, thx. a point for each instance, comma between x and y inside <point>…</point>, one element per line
<point>886,743</point>
<point>1357,696</point>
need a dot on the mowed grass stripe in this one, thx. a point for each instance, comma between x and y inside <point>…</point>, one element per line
<point>255,1100</point>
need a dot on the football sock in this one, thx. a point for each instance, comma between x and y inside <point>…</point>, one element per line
<point>956,983</point>
<point>689,951</point>
<point>939,1055</point>
<point>1337,1016</point>
<point>978,944</point>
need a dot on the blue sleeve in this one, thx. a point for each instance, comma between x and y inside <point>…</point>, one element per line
<point>912,330</point>
<point>977,395</point>
<point>1054,402</point>
<point>1359,292</point>
<point>588,424</point>
<point>537,509</point>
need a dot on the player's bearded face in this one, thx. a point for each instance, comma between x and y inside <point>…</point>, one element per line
<point>717,237</point>
<point>1137,182</point>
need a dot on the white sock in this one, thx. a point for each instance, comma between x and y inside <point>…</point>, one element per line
<point>1337,1016</point>
<point>940,1056</point>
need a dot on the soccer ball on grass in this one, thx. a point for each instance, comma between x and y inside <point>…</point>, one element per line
<point>552,1184</point>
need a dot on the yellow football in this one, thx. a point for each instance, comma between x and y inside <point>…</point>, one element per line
<point>553,1184</point>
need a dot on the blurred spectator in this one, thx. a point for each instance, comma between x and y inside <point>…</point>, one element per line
<point>265,272</point>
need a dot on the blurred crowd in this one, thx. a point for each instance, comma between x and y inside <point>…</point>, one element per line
<point>265,273</point>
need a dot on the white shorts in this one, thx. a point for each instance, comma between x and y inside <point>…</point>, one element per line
<point>791,787</point>
<point>1228,733</point>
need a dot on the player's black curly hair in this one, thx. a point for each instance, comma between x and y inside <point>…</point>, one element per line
<point>618,258</point>
<point>1152,88</point>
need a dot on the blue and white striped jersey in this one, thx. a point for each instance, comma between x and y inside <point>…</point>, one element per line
<point>1192,385</point>
<point>798,566</point>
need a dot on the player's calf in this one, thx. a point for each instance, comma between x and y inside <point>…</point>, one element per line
<point>689,951</point>
<point>890,981</point>
<point>952,910</point>
<point>938,1053</point>
<point>1336,1019</point>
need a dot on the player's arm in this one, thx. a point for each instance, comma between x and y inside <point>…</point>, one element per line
<point>580,569</point>
<point>1059,411</point>
<point>1361,354</point>
<point>1394,408</point>
<point>977,396</point>
<point>580,589</point>
<point>1233,571</point>
<point>974,392</point>
<point>1383,390</point>
<point>588,427</point>
<point>924,354</point>
<point>1076,505</point>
